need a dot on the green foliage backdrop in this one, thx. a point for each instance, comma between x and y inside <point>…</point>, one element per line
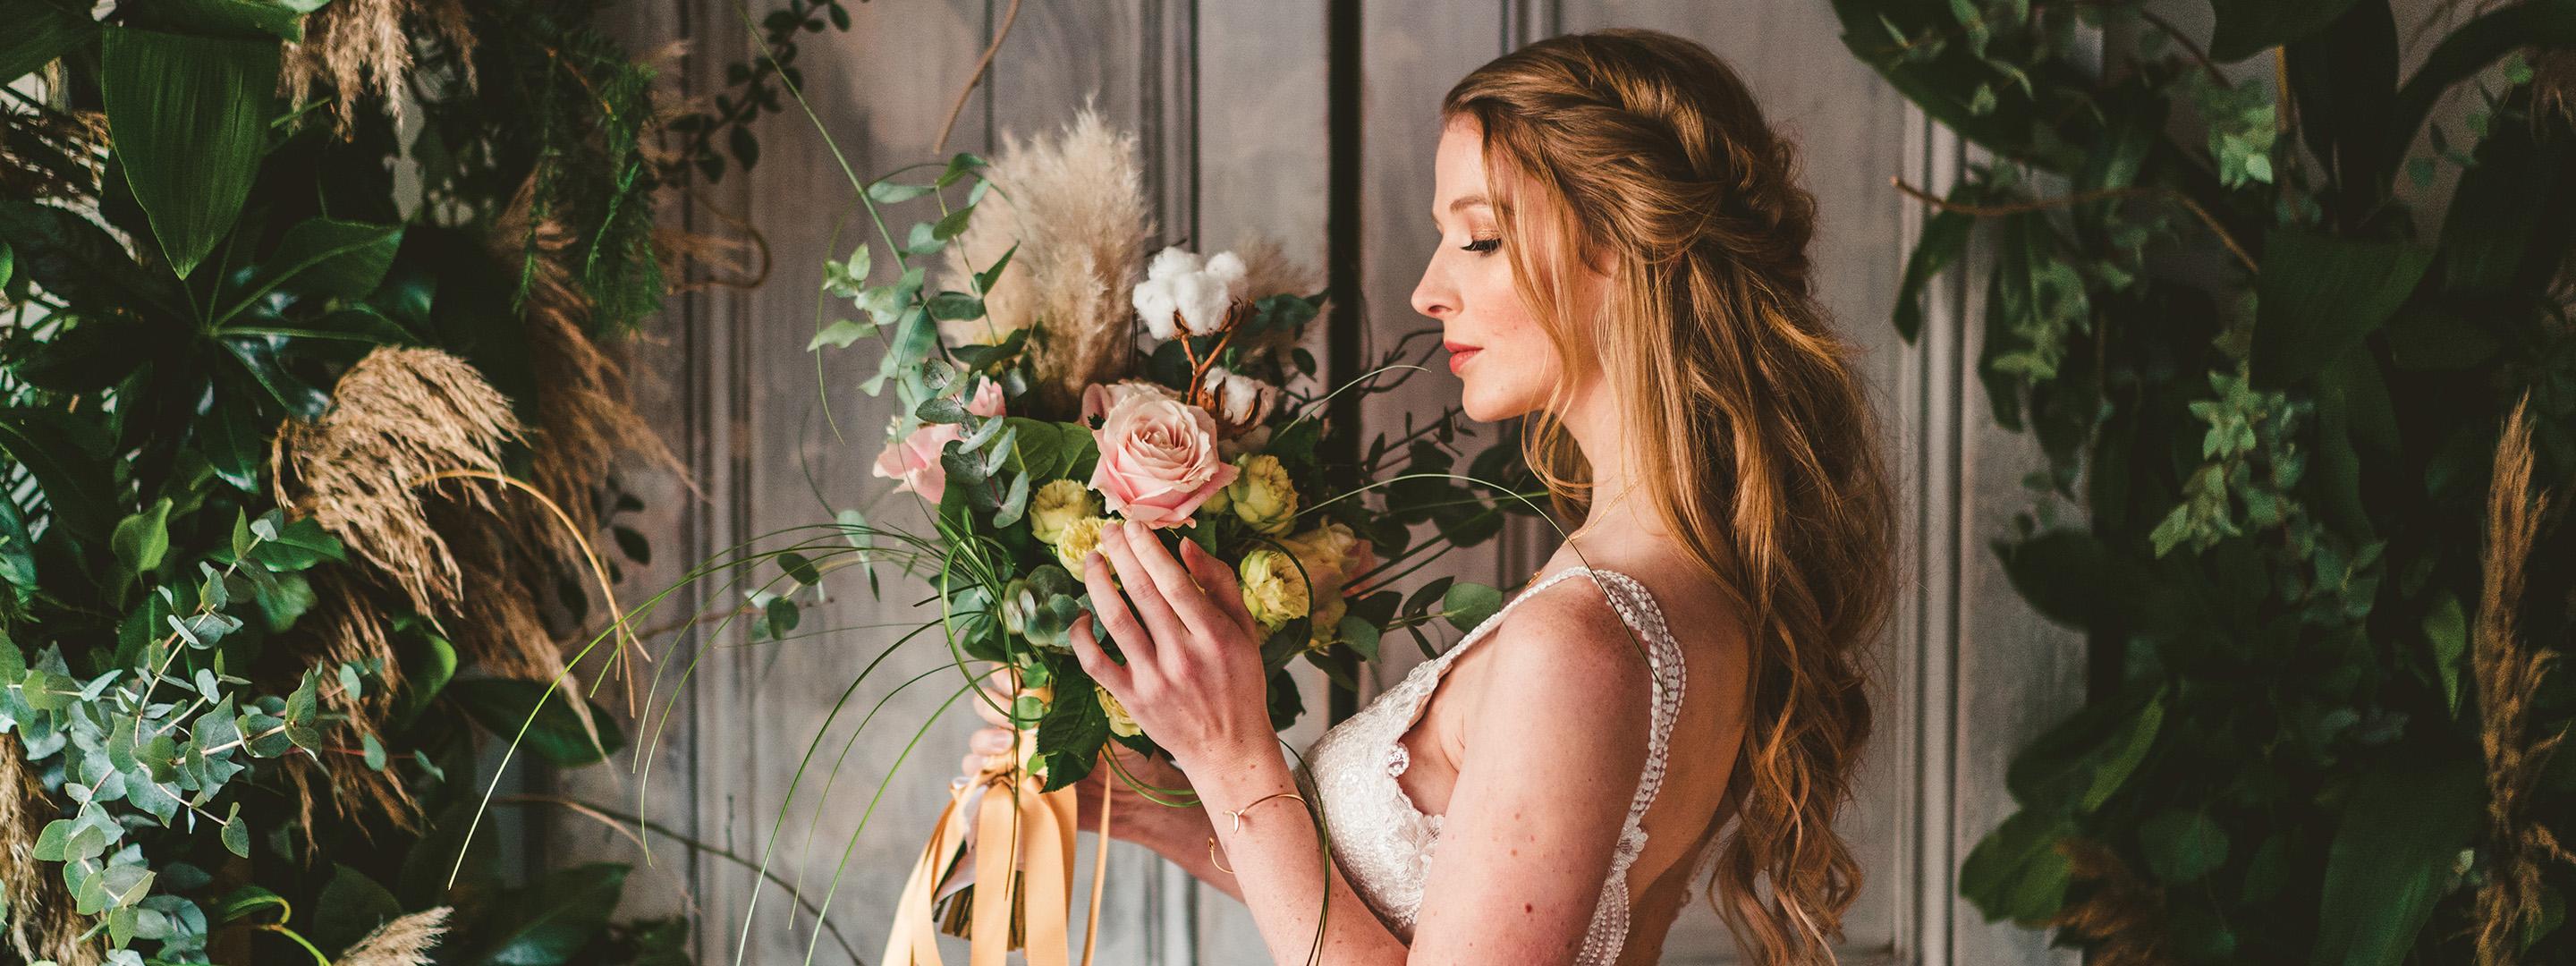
<point>2271,407</point>
<point>241,242</point>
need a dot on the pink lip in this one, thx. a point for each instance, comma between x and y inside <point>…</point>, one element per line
<point>1458,354</point>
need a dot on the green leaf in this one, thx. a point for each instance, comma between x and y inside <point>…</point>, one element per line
<point>39,32</point>
<point>293,546</point>
<point>838,335</point>
<point>504,705</point>
<point>72,257</point>
<point>2016,872</point>
<point>350,906</point>
<point>2403,827</point>
<point>1469,604</point>
<point>236,833</point>
<point>889,193</point>
<point>68,456</point>
<point>427,668</point>
<point>2182,846</point>
<point>2509,219</point>
<point>2078,765</point>
<point>1072,732</point>
<point>556,916</point>
<point>1945,237</point>
<point>327,257</point>
<point>143,539</point>
<point>2319,294</point>
<point>189,118</point>
<point>2249,27</point>
<point>228,18</point>
<point>2448,632</point>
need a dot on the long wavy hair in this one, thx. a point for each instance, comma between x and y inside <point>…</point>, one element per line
<point>1752,423</point>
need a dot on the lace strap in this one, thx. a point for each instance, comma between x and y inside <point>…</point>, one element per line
<point>1637,607</point>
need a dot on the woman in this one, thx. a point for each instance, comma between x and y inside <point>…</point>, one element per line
<point>1623,263</point>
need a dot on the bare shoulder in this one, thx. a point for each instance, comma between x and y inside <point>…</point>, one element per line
<point>1566,641</point>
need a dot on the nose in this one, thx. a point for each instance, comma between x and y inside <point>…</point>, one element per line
<point>1434,296</point>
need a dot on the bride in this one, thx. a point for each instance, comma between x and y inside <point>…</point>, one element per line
<point>1678,695</point>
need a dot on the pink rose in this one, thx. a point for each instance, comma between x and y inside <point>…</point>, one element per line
<point>914,459</point>
<point>1158,460</point>
<point>987,400</point>
<point>1099,398</point>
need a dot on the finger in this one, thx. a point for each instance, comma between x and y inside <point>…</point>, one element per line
<point>991,741</point>
<point>1222,587</point>
<point>1144,591</point>
<point>1189,599</point>
<point>1096,662</point>
<point>994,705</point>
<point>1111,608</point>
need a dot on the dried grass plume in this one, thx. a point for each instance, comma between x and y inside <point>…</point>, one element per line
<point>396,417</point>
<point>405,941</point>
<point>2508,682</point>
<point>2122,917</point>
<point>41,922</point>
<point>355,43</point>
<point>1075,205</point>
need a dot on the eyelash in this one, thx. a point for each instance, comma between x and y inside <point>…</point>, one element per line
<point>1483,245</point>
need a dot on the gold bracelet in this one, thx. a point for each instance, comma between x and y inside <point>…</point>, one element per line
<point>1238,825</point>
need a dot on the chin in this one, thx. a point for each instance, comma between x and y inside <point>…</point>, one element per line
<point>1491,407</point>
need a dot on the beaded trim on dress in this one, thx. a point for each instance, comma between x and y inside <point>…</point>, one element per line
<point>1383,844</point>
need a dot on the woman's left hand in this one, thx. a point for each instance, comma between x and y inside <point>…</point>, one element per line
<point>1193,678</point>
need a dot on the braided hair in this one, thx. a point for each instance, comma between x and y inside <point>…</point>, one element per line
<point>1645,152</point>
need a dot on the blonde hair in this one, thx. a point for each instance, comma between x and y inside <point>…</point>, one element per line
<point>1752,426</point>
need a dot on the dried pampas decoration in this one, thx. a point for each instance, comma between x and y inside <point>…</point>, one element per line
<point>1075,206</point>
<point>397,417</point>
<point>2508,682</point>
<point>41,920</point>
<point>1268,271</point>
<point>351,43</point>
<point>2123,916</point>
<point>45,153</point>
<point>405,941</point>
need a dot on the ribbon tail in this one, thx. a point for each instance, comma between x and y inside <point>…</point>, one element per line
<point>996,895</point>
<point>1099,873</point>
<point>1047,906</point>
<point>911,941</point>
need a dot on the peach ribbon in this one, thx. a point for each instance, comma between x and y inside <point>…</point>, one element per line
<point>1013,796</point>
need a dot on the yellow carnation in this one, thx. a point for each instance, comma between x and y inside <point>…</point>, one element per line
<point>1273,589</point>
<point>1077,539</point>
<point>1120,722</point>
<point>1058,503</point>
<point>1262,495</point>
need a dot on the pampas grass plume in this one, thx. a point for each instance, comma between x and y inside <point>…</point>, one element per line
<point>1074,203</point>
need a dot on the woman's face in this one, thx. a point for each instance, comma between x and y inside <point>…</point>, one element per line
<point>1496,346</point>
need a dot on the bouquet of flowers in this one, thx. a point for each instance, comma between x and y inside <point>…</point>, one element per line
<point>1053,391</point>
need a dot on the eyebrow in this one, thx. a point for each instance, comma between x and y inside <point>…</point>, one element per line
<point>1463,203</point>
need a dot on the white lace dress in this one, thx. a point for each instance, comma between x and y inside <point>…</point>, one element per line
<point>1383,844</point>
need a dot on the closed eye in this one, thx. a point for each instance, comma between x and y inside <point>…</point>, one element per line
<point>1483,245</point>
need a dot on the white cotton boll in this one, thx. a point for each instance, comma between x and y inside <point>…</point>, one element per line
<point>1169,282</point>
<point>1154,304</point>
<point>1202,301</point>
<point>1172,261</point>
<point>1240,400</point>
